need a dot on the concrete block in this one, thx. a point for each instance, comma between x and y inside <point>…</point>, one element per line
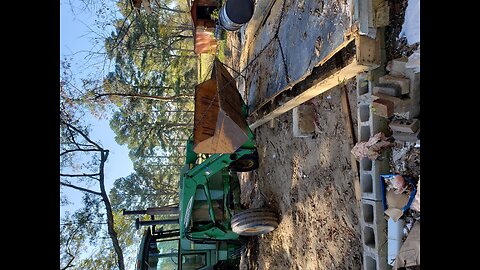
<point>374,231</point>
<point>403,83</point>
<point>303,120</point>
<point>370,186</point>
<point>363,89</point>
<point>366,164</point>
<point>374,238</point>
<point>397,67</point>
<point>382,107</point>
<point>379,124</point>
<point>374,261</point>
<point>414,84</point>
<point>365,15</point>
<point>381,165</point>
<point>371,212</point>
<point>364,112</point>
<point>406,107</point>
<point>407,126</point>
<point>396,100</point>
<point>364,133</point>
<point>387,89</point>
<point>407,137</point>
<point>362,84</point>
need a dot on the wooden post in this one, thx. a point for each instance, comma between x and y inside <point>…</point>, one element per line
<point>351,140</point>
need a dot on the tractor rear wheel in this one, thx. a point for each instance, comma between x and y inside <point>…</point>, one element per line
<point>255,221</point>
<point>246,163</point>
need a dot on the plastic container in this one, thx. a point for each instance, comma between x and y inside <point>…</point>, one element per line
<point>395,235</point>
<point>384,191</point>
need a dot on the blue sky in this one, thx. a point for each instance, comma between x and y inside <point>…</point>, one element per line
<point>74,38</point>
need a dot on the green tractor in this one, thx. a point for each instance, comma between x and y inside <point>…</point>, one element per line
<point>213,226</point>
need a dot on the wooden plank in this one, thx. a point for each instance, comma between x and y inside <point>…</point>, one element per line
<point>333,80</point>
<point>351,140</point>
<point>368,49</point>
<point>348,38</point>
<point>382,14</point>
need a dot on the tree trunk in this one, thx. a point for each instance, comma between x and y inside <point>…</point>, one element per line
<point>168,98</point>
<point>111,227</point>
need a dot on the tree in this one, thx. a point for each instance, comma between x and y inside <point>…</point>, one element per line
<point>139,192</point>
<point>150,94</point>
<point>75,143</point>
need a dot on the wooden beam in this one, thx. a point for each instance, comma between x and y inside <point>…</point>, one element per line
<point>349,37</point>
<point>333,80</point>
<point>369,51</point>
<point>351,141</point>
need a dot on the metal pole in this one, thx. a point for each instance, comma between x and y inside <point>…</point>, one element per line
<point>164,210</point>
<point>134,212</point>
<point>139,223</point>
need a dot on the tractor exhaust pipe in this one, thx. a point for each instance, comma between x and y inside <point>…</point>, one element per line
<point>235,13</point>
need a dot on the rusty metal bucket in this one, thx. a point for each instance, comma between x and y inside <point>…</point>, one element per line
<point>220,126</point>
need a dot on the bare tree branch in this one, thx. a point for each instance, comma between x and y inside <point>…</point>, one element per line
<point>79,175</point>
<point>169,98</point>
<point>81,189</point>
<point>78,150</point>
<point>69,252</point>
<point>83,135</point>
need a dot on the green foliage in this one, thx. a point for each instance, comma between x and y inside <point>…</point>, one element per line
<point>155,58</point>
<point>215,14</point>
<point>141,191</point>
<point>152,56</point>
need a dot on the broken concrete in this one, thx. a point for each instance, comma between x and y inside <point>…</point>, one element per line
<point>407,126</point>
<point>397,67</point>
<point>387,89</point>
<point>407,137</point>
<point>403,83</point>
<point>407,108</point>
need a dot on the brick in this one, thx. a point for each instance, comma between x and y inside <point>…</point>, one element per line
<point>401,105</point>
<point>397,66</point>
<point>406,137</point>
<point>403,83</point>
<point>382,107</point>
<point>396,101</point>
<point>407,126</point>
<point>387,89</point>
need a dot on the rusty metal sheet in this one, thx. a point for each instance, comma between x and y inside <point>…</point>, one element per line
<point>219,126</point>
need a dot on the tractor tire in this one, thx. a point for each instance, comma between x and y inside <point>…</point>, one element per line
<point>255,221</point>
<point>246,163</point>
